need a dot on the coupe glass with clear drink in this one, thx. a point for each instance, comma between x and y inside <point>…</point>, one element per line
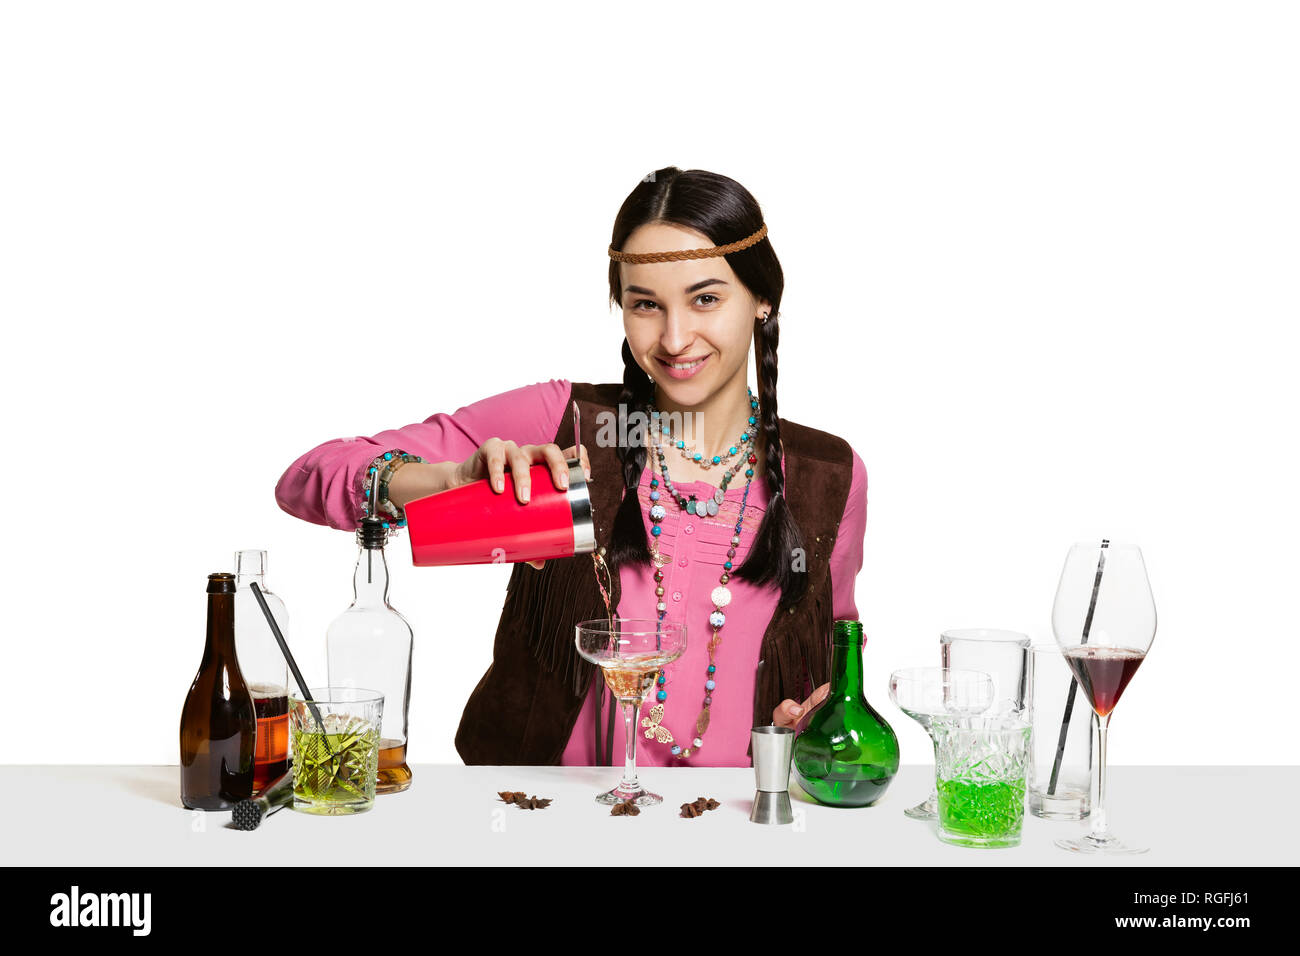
<point>1001,655</point>
<point>927,693</point>
<point>629,653</point>
<point>1104,619</point>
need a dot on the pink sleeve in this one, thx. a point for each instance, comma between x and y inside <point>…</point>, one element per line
<point>324,486</point>
<point>846,556</point>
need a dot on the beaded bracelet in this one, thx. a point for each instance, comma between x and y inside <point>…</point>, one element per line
<point>388,471</point>
<point>382,468</point>
<point>386,476</point>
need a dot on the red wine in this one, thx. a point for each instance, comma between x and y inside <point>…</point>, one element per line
<point>1103,672</point>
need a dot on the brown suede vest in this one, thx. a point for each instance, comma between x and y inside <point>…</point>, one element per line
<point>524,708</point>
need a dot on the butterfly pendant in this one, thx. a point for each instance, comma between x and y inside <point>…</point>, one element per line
<point>653,727</point>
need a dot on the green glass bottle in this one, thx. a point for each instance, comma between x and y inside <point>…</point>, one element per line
<point>847,753</point>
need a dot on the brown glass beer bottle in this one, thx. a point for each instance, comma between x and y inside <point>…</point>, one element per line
<point>218,722</point>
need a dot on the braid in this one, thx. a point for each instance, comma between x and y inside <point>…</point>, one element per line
<point>627,539</point>
<point>769,337</point>
<point>771,558</point>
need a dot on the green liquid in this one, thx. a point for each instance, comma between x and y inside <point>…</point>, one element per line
<point>988,814</point>
<point>838,783</point>
<point>335,773</point>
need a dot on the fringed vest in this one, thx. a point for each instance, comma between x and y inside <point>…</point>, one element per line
<point>524,708</point>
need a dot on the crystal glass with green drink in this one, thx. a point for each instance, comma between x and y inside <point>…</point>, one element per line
<point>980,769</point>
<point>924,693</point>
<point>335,749</point>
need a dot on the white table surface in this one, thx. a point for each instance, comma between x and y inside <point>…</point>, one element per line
<point>129,816</point>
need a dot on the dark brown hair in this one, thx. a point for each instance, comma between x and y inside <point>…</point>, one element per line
<point>723,210</point>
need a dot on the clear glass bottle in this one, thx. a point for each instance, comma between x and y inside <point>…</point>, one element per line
<point>263,666</point>
<point>369,645</point>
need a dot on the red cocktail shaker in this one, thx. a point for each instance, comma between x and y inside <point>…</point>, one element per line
<point>473,524</point>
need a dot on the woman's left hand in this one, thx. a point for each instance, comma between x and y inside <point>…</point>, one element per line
<point>788,713</point>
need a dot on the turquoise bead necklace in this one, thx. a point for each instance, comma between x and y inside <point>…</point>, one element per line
<point>721,595</point>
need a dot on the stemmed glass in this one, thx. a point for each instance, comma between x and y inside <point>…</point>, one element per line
<point>1104,619</point>
<point>924,693</point>
<point>630,652</point>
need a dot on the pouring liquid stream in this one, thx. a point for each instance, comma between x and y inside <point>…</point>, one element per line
<point>605,582</point>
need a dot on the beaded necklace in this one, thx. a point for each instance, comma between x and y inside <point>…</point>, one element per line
<point>720,596</point>
<point>689,453</point>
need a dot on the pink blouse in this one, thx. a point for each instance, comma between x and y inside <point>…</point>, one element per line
<point>324,487</point>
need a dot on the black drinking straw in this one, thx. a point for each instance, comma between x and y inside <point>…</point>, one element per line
<point>293,665</point>
<point>1074,684</point>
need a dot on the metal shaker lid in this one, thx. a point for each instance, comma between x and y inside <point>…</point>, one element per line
<point>584,519</point>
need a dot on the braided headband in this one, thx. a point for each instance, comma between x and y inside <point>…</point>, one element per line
<point>689,253</point>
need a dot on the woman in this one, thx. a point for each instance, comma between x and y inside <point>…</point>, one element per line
<point>746,527</point>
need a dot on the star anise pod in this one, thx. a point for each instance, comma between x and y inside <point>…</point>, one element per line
<point>624,809</point>
<point>522,800</point>
<point>700,805</point>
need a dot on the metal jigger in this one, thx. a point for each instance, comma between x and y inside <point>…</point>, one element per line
<point>772,748</point>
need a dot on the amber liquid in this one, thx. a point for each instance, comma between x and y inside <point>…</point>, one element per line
<point>394,774</point>
<point>271,756</point>
<point>631,677</point>
<point>604,581</point>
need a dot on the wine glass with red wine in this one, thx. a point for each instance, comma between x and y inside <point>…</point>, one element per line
<point>1104,619</point>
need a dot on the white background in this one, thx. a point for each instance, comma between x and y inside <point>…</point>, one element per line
<point>1040,271</point>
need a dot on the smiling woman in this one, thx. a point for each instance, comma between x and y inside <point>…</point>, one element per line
<point>688,350</point>
<point>746,528</point>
